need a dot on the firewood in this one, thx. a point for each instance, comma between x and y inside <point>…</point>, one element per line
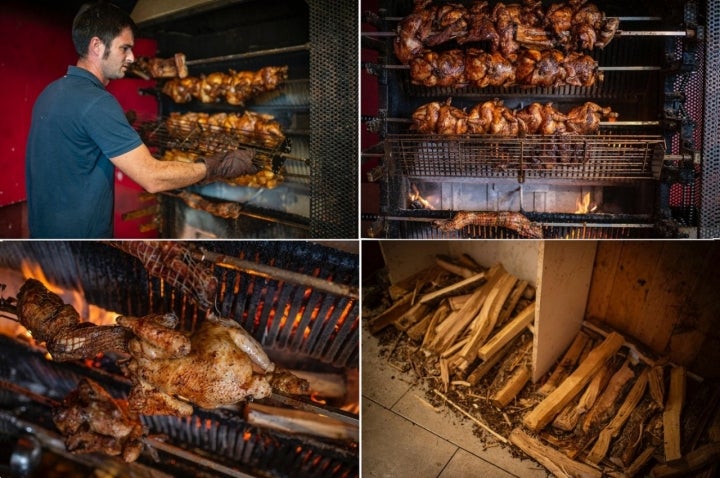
<point>457,301</point>
<point>466,260</point>
<point>546,410</point>
<point>640,462</point>
<point>693,461</point>
<point>512,387</point>
<point>417,331</point>
<point>657,385</point>
<point>624,449</point>
<point>698,413</point>
<point>599,450</point>
<point>484,323</point>
<point>598,413</point>
<point>481,370</point>
<point>438,316</point>
<point>512,301</point>
<point>411,317</point>
<point>460,270</point>
<point>568,419</point>
<point>671,416</point>
<point>452,289</point>
<point>451,328</point>
<point>390,315</point>
<point>507,333</point>
<point>428,275</point>
<point>555,461</point>
<point>566,364</point>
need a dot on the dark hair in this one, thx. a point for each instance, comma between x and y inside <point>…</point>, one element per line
<point>103,20</point>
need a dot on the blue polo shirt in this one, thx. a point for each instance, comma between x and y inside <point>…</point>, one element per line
<point>76,127</point>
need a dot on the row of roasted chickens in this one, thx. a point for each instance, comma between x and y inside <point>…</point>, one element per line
<point>494,118</point>
<point>528,44</point>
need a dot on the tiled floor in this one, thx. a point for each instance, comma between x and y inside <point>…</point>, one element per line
<point>402,435</point>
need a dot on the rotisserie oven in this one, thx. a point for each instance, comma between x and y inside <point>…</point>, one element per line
<point>180,359</point>
<point>577,119</point>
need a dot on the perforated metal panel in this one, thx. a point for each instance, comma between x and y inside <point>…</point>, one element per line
<point>333,119</point>
<point>710,196</point>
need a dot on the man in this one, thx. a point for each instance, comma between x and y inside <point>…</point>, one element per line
<point>79,134</point>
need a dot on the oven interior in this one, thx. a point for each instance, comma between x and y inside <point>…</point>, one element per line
<point>298,299</point>
<point>638,176</point>
<point>306,196</point>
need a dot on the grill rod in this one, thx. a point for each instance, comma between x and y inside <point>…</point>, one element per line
<point>270,272</point>
<point>602,123</point>
<point>252,54</point>
<point>618,33</point>
<point>370,66</point>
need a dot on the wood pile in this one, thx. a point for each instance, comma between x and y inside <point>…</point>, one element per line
<point>608,408</point>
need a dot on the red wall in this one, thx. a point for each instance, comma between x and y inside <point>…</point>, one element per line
<point>36,49</point>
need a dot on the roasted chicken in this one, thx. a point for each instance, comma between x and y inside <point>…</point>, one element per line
<point>57,324</point>
<point>146,67</point>
<point>235,87</point>
<point>90,420</point>
<point>208,133</point>
<point>219,364</point>
<point>514,221</point>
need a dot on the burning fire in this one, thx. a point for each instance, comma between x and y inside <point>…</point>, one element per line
<point>74,297</point>
<point>584,204</point>
<point>416,198</point>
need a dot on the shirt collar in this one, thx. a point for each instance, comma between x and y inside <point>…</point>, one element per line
<point>83,73</point>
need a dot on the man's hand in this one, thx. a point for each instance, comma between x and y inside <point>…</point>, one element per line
<point>229,165</point>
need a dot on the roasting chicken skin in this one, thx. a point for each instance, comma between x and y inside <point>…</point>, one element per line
<point>92,421</point>
<point>219,364</point>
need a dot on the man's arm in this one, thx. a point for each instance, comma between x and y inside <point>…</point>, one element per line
<point>156,176</point>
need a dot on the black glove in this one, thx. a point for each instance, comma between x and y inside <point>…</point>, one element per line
<point>229,165</point>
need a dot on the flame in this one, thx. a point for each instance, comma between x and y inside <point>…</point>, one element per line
<point>584,204</point>
<point>316,398</point>
<point>74,297</point>
<point>415,196</point>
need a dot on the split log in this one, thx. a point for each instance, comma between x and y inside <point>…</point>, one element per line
<point>604,405</point>
<point>453,289</point>
<point>484,323</point>
<point>566,364</point>
<point>457,301</point>
<point>512,387</point>
<point>439,315</point>
<point>451,328</point>
<point>698,413</point>
<point>492,360</point>
<point>390,315</point>
<point>417,331</point>
<point>512,302</point>
<point>693,461</point>
<point>411,317</point>
<point>508,333</point>
<point>671,416</point>
<point>546,410</point>
<point>640,462</point>
<point>299,422</point>
<point>568,419</point>
<point>630,439</point>
<point>556,462</point>
<point>599,450</point>
<point>460,270</point>
<point>406,286</point>
<point>657,385</point>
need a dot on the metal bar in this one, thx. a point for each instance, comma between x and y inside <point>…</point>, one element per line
<point>309,407</point>
<point>277,273</point>
<point>622,19</point>
<point>629,68</point>
<point>251,54</point>
<point>655,33</point>
<point>195,458</point>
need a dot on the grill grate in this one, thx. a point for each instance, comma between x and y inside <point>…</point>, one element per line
<point>710,196</point>
<point>333,119</point>
<point>611,157</point>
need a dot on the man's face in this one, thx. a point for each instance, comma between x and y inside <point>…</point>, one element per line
<point>119,56</point>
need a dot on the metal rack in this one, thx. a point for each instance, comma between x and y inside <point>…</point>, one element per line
<point>568,158</point>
